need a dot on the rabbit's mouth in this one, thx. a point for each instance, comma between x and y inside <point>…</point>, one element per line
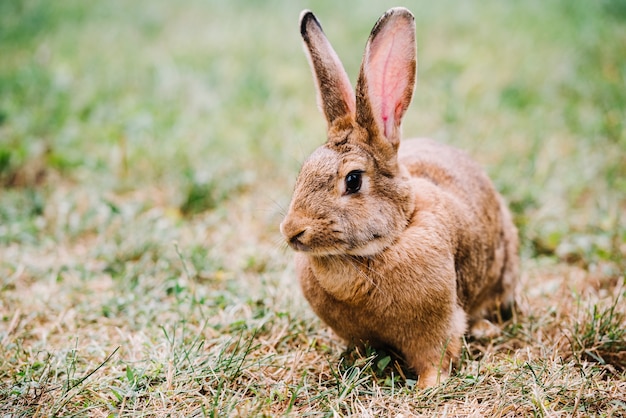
<point>306,240</point>
<point>296,243</point>
<point>303,242</point>
<point>308,236</point>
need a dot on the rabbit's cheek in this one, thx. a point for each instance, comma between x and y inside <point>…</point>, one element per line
<point>370,248</point>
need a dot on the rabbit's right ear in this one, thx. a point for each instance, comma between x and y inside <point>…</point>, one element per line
<point>387,78</point>
<point>335,95</point>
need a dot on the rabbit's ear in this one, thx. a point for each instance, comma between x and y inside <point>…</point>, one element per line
<point>335,95</point>
<point>387,76</point>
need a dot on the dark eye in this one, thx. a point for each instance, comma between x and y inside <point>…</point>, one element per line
<point>353,181</point>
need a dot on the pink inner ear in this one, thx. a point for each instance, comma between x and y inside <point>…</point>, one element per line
<point>391,108</point>
<point>389,66</point>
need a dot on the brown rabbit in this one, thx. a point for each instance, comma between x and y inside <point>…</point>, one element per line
<point>397,244</point>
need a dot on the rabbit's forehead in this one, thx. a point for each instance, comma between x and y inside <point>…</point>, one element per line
<point>322,160</point>
<point>329,161</point>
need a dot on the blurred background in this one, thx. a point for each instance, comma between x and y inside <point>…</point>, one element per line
<point>148,150</point>
<point>184,106</point>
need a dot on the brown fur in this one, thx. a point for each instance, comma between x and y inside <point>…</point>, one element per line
<point>425,246</point>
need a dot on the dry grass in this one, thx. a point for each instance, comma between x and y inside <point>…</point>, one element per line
<point>77,344</point>
<point>144,166</point>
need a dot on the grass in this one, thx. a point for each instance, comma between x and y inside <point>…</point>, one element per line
<point>147,153</point>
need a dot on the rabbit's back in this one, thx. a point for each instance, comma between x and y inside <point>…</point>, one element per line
<point>486,259</point>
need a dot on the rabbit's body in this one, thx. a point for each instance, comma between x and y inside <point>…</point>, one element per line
<point>486,257</point>
<point>400,244</point>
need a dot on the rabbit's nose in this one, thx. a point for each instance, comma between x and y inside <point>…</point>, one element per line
<point>298,241</point>
<point>295,240</point>
<point>295,235</point>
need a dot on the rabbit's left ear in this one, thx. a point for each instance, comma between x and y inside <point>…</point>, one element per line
<point>387,76</point>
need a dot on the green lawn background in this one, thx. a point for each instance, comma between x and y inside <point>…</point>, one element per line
<point>147,154</point>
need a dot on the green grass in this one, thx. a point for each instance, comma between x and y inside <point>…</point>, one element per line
<point>147,154</point>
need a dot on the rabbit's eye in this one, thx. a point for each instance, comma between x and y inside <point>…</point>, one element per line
<point>353,181</point>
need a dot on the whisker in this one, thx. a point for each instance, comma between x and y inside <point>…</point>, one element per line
<point>281,209</point>
<point>279,244</point>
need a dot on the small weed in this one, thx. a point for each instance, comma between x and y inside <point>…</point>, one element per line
<point>207,194</point>
<point>600,335</point>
